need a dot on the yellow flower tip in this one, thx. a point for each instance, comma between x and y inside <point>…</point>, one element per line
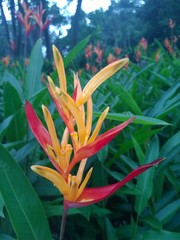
<point>107,110</point>
<point>45,111</point>
<point>36,168</point>
<point>51,83</point>
<point>54,49</point>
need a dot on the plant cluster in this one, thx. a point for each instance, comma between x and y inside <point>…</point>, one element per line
<point>147,89</point>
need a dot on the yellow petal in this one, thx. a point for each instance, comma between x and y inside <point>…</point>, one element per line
<point>53,176</point>
<point>65,137</point>
<point>51,129</point>
<point>98,125</point>
<point>77,85</point>
<point>56,91</point>
<point>99,78</point>
<point>60,68</point>
<point>89,116</point>
<point>83,184</point>
<point>71,105</point>
<point>81,170</point>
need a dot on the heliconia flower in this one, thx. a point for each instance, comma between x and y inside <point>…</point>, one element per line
<point>157,55</point>
<point>60,154</point>
<point>117,51</point>
<point>138,55</point>
<point>111,58</point>
<point>168,46</point>
<point>26,61</point>
<point>37,15</point>
<point>71,108</point>
<point>74,192</point>
<point>143,43</point>
<point>6,60</point>
<point>25,20</point>
<point>84,143</point>
<point>89,51</point>
<point>99,51</point>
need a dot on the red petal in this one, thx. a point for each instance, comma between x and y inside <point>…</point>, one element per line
<point>94,147</point>
<point>94,195</point>
<point>40,132</point>
<point>38,129</point>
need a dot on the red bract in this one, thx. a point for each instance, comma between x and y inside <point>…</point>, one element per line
<point>93,195</point>
<point>94,147</point>
<point>40,132</point>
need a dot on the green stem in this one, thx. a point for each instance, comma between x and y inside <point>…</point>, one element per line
<point>63,221</point>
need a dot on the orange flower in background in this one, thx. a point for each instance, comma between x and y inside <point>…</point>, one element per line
<point>111,58</point>
<point>25,20</point>
<point>89,51</point>
<point>168,46</point>
<point>157,56</point>
<point>87,66</point>
<point>26,61</point>
<point>99,51</point>
<point>143,43</point>
<point>6,60</point>
<point>94,69</point>
<point>138,55</point>
<point>37,15</point>
<point>117,51</point>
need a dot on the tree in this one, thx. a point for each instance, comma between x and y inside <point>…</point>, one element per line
<point>156,14</point>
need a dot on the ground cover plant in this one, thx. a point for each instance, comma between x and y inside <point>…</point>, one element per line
<point>136,109</point>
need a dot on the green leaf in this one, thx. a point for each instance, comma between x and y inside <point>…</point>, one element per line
<point>169,173</point>
<point>1,205</point>
<point>160,235</point>
<point>13,107</point>
<point>8,77</point>
<point>33,78</point>
<point>138,120</point>
<point>23,205</point>
<point>153,222</point>
<point>169,150</point>
<point>4,125</point>
<point>73,53</point>
<point>125,97</point>
<point>110,230</point>
<point>5,237</point>
<point>166,213</point>
<point>145,180</point>
<point>162,104</point>
<point>138,150</point>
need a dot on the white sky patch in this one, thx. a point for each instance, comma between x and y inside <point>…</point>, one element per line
<point>87,5</point>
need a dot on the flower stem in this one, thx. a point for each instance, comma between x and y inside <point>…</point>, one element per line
<point>63,221</point>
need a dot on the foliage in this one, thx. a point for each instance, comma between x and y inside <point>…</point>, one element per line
<point>147,208</point>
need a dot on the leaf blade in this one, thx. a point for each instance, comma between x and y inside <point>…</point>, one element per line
<point>28,217</point>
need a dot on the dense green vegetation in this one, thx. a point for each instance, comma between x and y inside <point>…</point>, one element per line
<point>148,87</point>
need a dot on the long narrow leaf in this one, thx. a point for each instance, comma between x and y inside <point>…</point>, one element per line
<point>139,119</point>
<point>145,180</point>
<point>24,208</point>
<point>73,53</point>
<point>126,98</point>
<point>33,79</point>
<point>160,235</point>
<point>13,107</point>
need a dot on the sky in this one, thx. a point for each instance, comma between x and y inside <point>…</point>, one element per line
<point>87,6</point>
